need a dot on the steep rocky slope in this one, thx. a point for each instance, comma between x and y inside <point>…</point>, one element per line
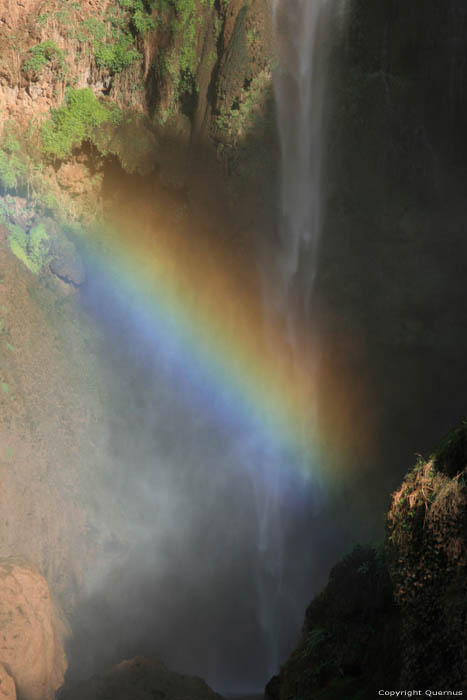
<point>394,617</point>
<point>33,631</point>
<point>171,88</point>
<point>52,427</point>
<point>161,84</point>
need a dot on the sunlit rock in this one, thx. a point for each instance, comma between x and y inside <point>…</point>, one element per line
<point>32,633</point>
<point>7,685</point>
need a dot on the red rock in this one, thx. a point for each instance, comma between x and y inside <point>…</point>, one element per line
<point>31,633</point>
<point>7,685</point>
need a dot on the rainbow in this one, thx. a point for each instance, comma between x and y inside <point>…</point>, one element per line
<point>201,311</point>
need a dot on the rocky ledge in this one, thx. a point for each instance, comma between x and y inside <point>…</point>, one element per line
<point>394,616</point>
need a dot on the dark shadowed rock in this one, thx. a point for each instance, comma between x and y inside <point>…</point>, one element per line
<point>394,618</point>
<point>141,679</point>
<point>349,639</point>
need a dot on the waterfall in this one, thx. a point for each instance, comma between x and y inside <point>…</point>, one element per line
<point>289,271</point>
<point>205,445</point>
<point>298,85</point>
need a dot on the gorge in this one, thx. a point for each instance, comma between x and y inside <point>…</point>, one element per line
<point>232,254</point>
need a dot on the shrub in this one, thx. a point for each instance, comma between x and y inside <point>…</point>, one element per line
<point>18,241</point>
<point>118,55</point>
<point>74,122</point>
<point>12,170</point>
<point>42,54</point>
<point>32,249</point>
<point>12,167</point>
<point>38,246</point>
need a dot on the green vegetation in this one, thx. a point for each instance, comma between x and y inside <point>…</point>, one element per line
<point>113,40</point>
<point>186,22</point>
<point>91,29</point>
<point>449,456</point>
<point>181,60</point>
<point>18,241</point>
<point>141,19</point>
<point>12,168</point>
<point>75,121</point>
<point>118,55</point>
<point>20,167</point>
<point>38,246</point>
<point>32,249</point>
<point>112,44</point>
<point>46,53</point>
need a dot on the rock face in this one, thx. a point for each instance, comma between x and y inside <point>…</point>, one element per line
<point>141,679</point>
<point>52,427</point>
<point>32,633</point>
<point>427,545</point>
<point>349,639</point>
<point>7,685</point>
<point>395,617</point>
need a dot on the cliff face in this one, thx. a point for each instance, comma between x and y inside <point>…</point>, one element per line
<point>427,556</point>
<point>394,617</point>
<point>53,405</point>
<point>170,78</point>
<point>168,98</point>
<point>394,231</point>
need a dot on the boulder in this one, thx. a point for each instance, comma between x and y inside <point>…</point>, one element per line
<point>31,634</point>
<point>65,262</point>
<point>7,685</point>
<point>141,679</point>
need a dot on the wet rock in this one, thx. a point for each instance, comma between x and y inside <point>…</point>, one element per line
<point>174,152</point>
<point>141,679</point>
<point>65,262</point>
<point>17,210</point>
<point>32,633</point>
<point>74,177</point>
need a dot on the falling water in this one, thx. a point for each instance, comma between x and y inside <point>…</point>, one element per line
<point>300,32</point>
<point>218,514</point>
<point>298,84</point>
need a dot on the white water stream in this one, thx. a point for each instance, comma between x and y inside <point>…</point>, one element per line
<point>300,28</point>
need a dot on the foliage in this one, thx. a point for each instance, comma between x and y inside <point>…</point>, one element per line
<point>38,246</point>
<point>12,170</point>
<point>185,22</point>
<point>182,61</point>
<point>117,55</point>
<point>113,40</point>
<point>18,241</point>
<point>32,249</point>
<point>450,456</point>
<point>141,19</point>
<point>12,163</point>
<point>45,53</point>
<point>91,29</point>
<point>75,121</point>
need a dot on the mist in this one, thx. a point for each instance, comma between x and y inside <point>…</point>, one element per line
<point>267,377</point>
